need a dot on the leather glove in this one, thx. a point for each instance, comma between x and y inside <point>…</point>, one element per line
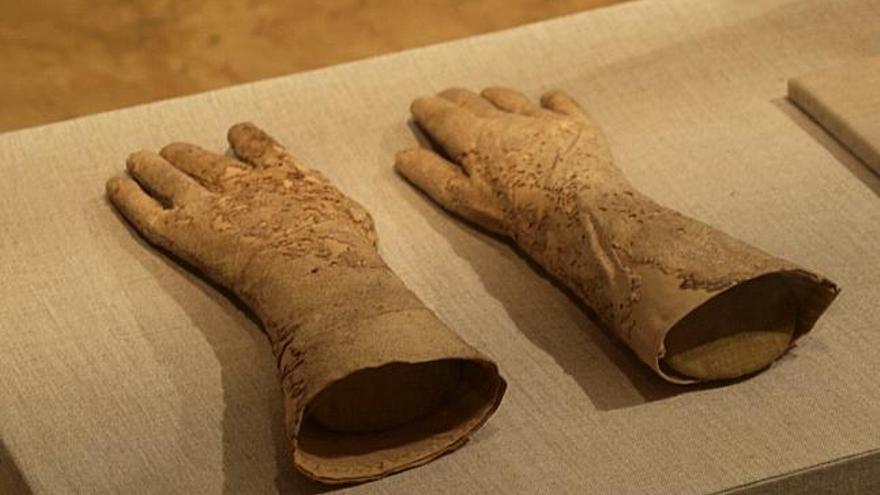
<point>373,382</point>
<point>692,302</point>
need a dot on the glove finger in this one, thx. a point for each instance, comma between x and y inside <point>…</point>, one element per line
<point>446,184</point>
<point>254,146</point>
<point>208,168</point>
<point>163,180</point>
<point>138,207</point>
<point>478,105</point>
<point>512,101</point>
<point>450,126</point>
<point>560,102</point>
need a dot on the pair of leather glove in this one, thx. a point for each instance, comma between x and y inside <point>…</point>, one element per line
<point>373,382</point>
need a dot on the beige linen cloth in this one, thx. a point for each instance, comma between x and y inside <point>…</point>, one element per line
<point>122,373</point>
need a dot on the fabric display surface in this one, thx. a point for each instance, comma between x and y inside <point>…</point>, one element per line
<point>129,365</point>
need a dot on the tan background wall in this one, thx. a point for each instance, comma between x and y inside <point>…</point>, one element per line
<point>65,58</point>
